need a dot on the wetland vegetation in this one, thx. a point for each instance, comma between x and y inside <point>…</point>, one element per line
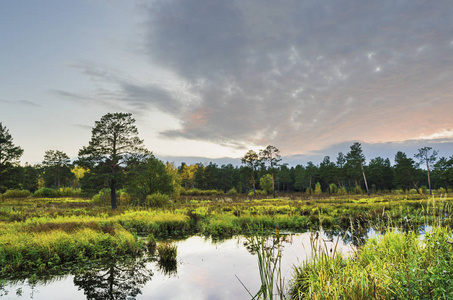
<point>118,202</point>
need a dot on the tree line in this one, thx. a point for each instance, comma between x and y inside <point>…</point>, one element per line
<point>115,158</point>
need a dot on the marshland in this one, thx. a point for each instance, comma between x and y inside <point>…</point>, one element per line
<point>119,223</point>
<point>51,239</point>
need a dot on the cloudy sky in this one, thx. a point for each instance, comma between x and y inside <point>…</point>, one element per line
<point>214,78</point>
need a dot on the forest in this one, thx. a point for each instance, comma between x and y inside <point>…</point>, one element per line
<point>123,167</point>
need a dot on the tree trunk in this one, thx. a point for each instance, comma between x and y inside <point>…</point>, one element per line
<point>339,184</point>
<point>273,186</point>
<point>253,180</point>
<point>429,181</point>
<point>364,178</point>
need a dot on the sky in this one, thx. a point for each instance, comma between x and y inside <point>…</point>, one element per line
<point>209,79</point>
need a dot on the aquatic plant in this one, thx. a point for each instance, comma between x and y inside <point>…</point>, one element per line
<point>269,253</point>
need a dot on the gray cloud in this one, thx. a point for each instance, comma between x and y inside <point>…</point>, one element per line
<point>303,75</point>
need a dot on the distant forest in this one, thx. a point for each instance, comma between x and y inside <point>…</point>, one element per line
<point>116,159</point>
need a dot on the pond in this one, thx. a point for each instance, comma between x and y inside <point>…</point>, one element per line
<point>205,269</point>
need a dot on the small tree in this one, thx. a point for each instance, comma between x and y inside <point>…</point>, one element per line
<point>113,142</point>
<point>425,155</point>
<point>355,160</point>
<point>266,183</point>
<point>9,153</point>
<point>251,160</point>
<point>271,156</point>
<point>56,162</point>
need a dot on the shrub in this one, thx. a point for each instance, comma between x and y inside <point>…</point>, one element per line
<point>232,192</point>
<point>333,188</point>
<point>69,192</point>
<point>424,190</point>
<point>258,192</point>
<point>198,192</point>
<point>16,194</point>
<point>358,189</point>
<point>157,200</point>
<point>125,198</point>
<point>45,193</point>
<point>318,190</point>
<point>103,197</point>
<point>266,183</point>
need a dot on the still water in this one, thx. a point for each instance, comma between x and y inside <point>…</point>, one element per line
<point>205,269</point>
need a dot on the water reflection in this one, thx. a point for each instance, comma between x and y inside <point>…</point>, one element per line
<point>204,269</point>
<point>114,280</point>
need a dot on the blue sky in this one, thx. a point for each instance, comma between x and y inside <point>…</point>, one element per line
<point>215,78</point>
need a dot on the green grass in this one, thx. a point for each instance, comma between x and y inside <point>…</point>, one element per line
<point>43,233</point>
<point>395,265</point>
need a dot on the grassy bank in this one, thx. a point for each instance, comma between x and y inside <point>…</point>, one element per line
<point>395,265</point>
<point>39,234</point>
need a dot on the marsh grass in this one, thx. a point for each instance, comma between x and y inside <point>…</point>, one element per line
<point>268,250</point>
<point>397,264</point>
<point>167,257</point>
<point>42,233</point>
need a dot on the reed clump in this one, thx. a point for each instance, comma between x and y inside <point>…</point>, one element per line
<point>401,263</point>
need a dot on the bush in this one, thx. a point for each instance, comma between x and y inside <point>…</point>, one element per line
<point>125,198</point>
<point>258,192</point>
<point>69,192</point>
<point>358,189</point>
<point>266,183</point>
<point>333,189</point>
<point>45,193</point>
<point>424,190</point>
<point>15,194</point>
<point>232,192</point>
<point>103,197</point>
<point>198,192</point>
<point>318,190</point>
<point>157,200</point>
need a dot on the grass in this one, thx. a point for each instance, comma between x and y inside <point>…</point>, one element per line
<point>38,234</point>
<point>397,264</point>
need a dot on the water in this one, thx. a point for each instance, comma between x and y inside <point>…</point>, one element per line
<point>205,270</point>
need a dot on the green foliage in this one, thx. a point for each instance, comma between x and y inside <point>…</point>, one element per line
<point>167,252</point>
<point>423,190</point>
<point>198,192</point>
<point>151,243</point>
<point>114,142</point>
<point>15,194</point>
<point>45,193</point>
<point>396,265</point>
<point>9,153</point>
<point>232,192</point>
<point>318,190</point>
<point>157,200</point>
<point>269,254</point>
<point>266,183</point>
<point>61,192</point>
<point>333,189</point>
<point>125,198</point>
<point>147,177</point>
<point>358,190</point>
<point>258,192</point>
<point>103,197</point>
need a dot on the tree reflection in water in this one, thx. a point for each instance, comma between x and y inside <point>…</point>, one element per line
<point>114,280</point>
